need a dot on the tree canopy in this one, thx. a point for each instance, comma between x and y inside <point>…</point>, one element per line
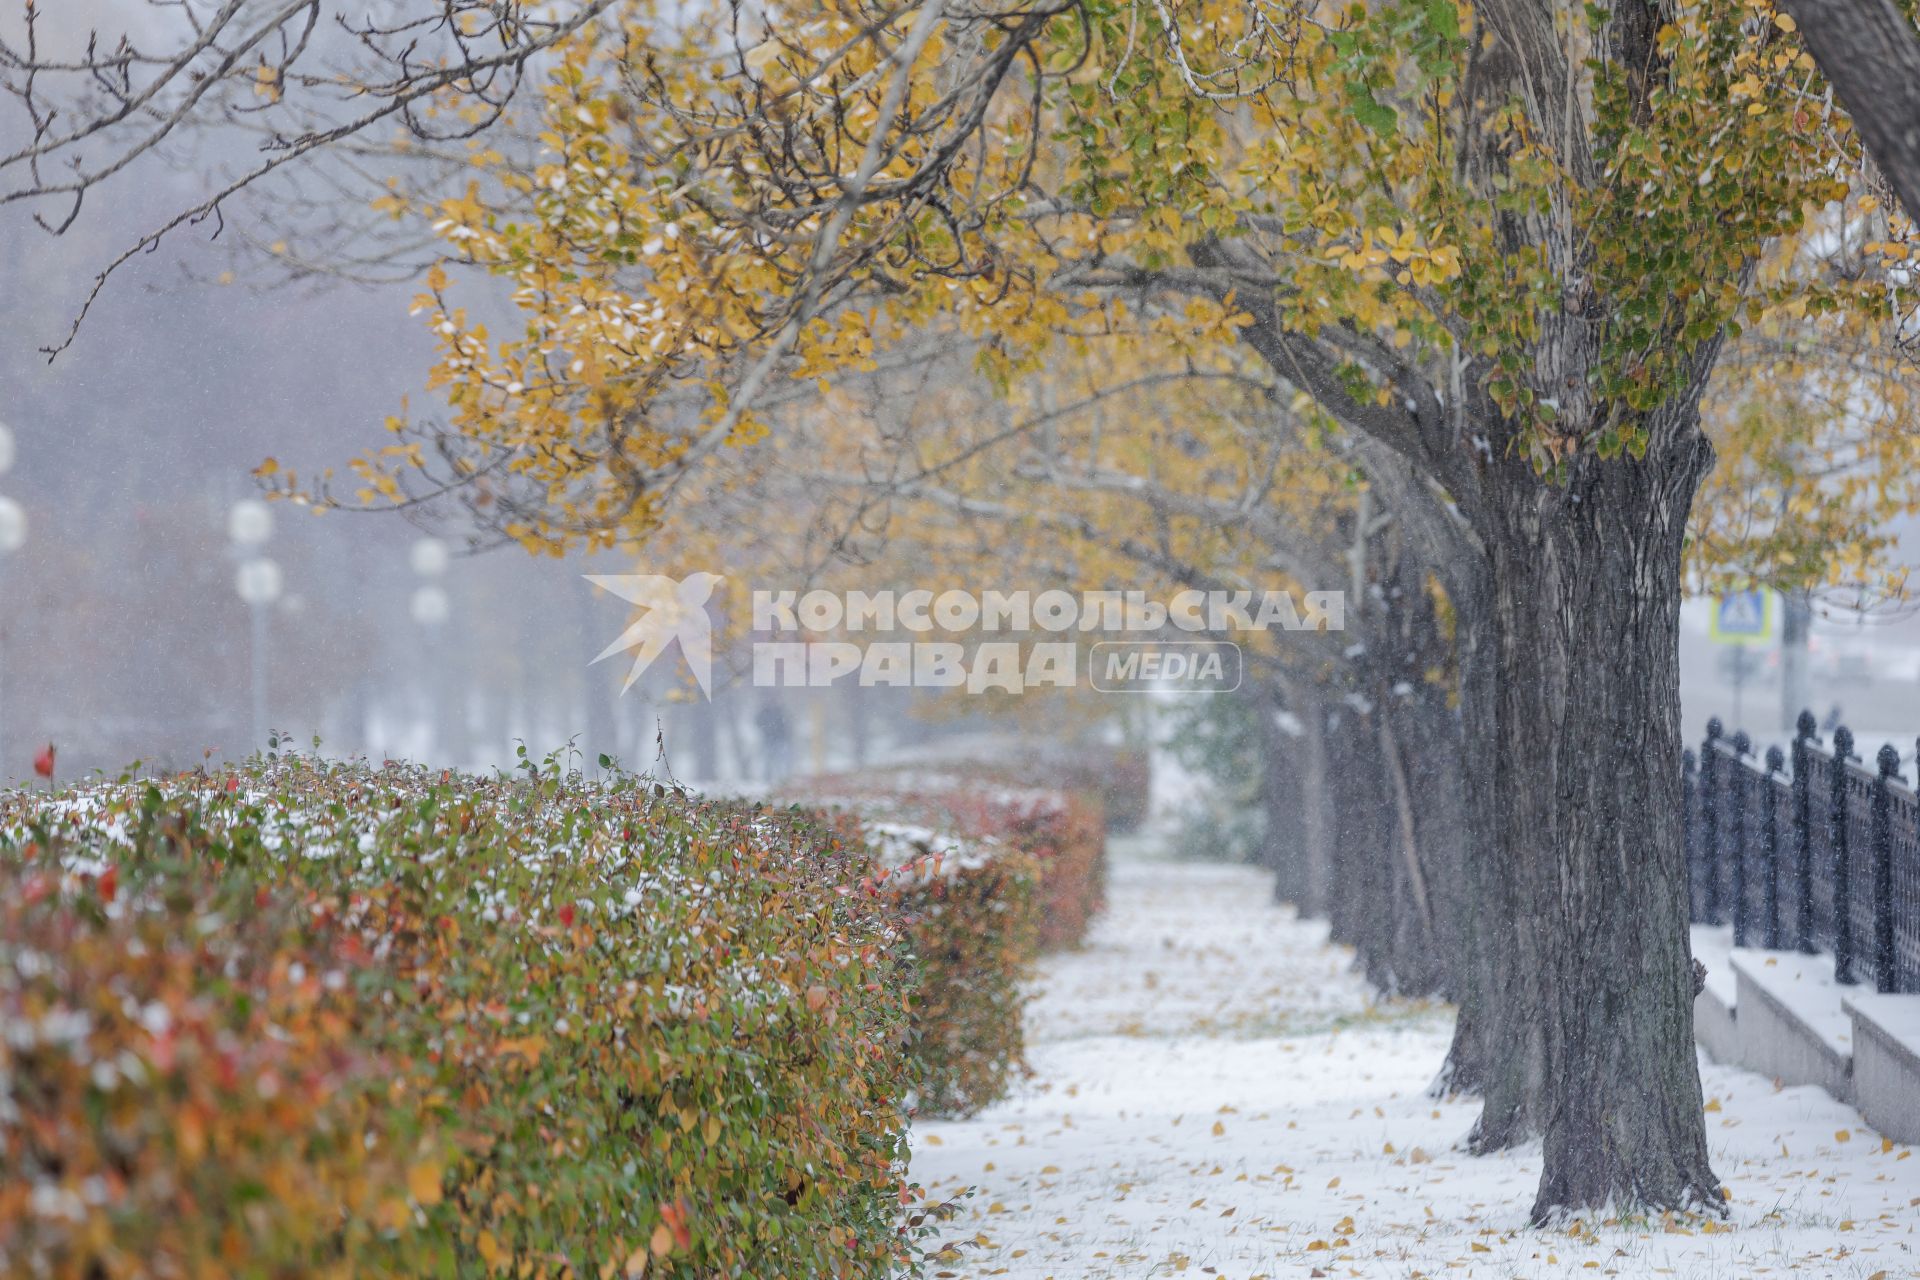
<point>725,208</point>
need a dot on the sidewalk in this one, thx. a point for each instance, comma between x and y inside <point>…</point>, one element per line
<point>1215,1093</point>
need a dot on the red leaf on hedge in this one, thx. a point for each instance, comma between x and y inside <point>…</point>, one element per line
<point>675,1216</point>
<point>43,762</point>
<point>233,784</point>
<point>109,883</point>
<point>566,915</point>
<point>162,1052</point>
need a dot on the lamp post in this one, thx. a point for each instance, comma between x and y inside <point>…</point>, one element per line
<point>249,525</point>
<point>430,608</point>
<point>13,536</point>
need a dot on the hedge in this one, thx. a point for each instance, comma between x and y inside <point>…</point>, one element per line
<point>1061,829</point>
<point>970,914</point>
<point>324,1019</point>
<point>180,1088</point>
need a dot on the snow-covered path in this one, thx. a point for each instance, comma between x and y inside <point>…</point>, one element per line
<point>1216,1094</point>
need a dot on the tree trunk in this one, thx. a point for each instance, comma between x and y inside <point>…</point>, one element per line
<point>1414,961</point>
<point>1359,835</point>
<point>1316,826</point>
<point>1586,592</point>
<point>1280,795</point>
<point>1498,1049</point>
<point>1419,748</point>
<point>1435,768</point>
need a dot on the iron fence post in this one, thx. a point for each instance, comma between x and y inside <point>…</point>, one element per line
<point>1842,863</point>
<point>1883,972</point>
<point>1738,779</point>
<point>1803,739</point>
<point>1770,849</point>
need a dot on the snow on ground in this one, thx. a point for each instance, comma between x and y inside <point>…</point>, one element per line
<point>1216,1093</point>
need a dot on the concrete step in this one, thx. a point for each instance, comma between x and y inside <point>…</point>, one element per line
<point>1886,1061</point>
<point>1781,1014</point>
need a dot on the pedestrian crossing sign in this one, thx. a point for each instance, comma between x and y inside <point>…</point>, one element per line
<point>1742,617</point>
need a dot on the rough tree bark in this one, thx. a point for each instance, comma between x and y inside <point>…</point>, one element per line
<point>1586,614</point>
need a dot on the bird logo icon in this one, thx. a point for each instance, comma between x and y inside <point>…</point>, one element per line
<point>670,609</point>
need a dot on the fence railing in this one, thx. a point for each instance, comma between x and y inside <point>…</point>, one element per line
<point>1824,857</point>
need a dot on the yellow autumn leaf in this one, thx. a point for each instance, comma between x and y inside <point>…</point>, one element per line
<point>423,1182</point>
<point>529,1047</point>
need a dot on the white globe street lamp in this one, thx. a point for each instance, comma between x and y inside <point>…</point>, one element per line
<point>259,582</point>
<point>429,606</point>
<point>429,557</point>
<point>249,523</point>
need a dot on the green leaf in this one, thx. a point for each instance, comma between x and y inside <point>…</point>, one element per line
<point>1369,111</point>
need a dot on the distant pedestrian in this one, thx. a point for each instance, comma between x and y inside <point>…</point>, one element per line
<point>776,740</point>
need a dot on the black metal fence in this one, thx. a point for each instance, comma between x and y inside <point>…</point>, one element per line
<point>1806,850</point>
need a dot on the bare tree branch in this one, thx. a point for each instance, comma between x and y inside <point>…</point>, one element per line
<point>301,74</point>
